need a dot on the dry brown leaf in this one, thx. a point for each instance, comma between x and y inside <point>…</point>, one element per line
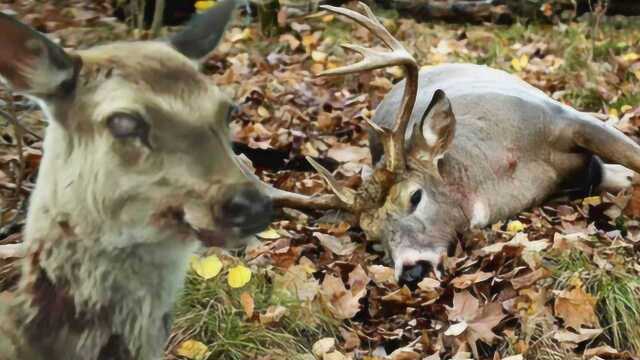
<point>247,304</point>
<point>474,322</point>
<point>349,153</point>
<point>530,278</point>
<point>582,335</point>
<point>402,296</point>
<point>273,314</point>
<point>343,303</point>
<point>323,346</point>
<point>466,280</point>
<point>341,246</point>
<point>576,308</point>
<point>382,274</point>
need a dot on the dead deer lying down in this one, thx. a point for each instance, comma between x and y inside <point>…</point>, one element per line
<point>464,146</point>
<point>137,171</point>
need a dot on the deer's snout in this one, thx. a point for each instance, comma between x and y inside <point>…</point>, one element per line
<point>411,275</point>
<point>247,210</point>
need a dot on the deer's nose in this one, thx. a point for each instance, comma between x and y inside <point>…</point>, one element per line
<point>413,274</point>
<point>248,210</point>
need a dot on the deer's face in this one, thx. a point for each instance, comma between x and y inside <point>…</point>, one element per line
<point>137,141</point>
<point>416,224</point>
<point>418,218</point>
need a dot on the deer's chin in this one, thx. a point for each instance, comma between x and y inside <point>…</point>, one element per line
<point>209,238</point>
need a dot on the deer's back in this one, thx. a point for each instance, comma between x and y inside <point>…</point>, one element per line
<point>504,142</point>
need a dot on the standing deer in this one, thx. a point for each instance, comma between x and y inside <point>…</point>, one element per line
<point>460,146</point>
<point>137,172</point>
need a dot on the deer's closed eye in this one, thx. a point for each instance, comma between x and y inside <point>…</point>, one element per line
<point>125,125</point>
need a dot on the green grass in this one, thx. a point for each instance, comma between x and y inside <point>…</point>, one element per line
<point>211,312</point>
<point>617,291</point>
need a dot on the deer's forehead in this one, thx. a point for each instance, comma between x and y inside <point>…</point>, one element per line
<point>140,76</point>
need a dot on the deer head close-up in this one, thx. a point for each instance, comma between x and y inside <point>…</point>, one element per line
<point>459,146</point>
<point>137,173</point>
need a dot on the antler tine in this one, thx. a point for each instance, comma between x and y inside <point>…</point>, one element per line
<point>284,198</point>
<point>347,195</point>
<point>393,140</point>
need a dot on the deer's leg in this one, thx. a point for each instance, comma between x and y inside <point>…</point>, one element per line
<point>606,142</point>
<point>617,177</point>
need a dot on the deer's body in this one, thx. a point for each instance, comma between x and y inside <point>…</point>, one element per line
<point>137,172</point>
<point>508,152</point>
<point>461,145</point>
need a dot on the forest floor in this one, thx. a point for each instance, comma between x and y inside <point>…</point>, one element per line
<point>561,281</point>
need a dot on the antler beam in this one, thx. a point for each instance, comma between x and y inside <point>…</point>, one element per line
<point>393,140</point>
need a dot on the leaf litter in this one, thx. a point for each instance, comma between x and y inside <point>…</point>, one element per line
<point>558,281</point>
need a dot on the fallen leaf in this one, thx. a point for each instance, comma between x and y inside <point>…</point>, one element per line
<point>343,303</point>
<point>336,355</point>
<point>382,274</point>
<point>207,267</point>
<point>247,304</point>
<point>204,5</point>
<point>479,321</point>
<point>348,153</point>
<point>466,280</point>
<point>269,234</point>
<point>273,314</point>
<point>239,276</point>
<point>342,246</point>
<point>582,335</point>
<point>457,329</point>
<point>192,349</point>
<point>518,64</point>
<point>323,346</point>
<point>515,226</point>
<point>318,56</point>
<point>576,308</point>
<point>530,278</point>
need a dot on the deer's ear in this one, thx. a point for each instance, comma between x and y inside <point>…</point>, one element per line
<point>434,133</point>
<point>31,63</point>
<point>204,31</point>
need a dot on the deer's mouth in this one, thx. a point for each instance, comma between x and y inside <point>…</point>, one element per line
<point>209,237</point>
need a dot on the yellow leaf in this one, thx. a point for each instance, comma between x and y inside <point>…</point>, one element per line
<point>625,108</point>
<point>520,63</point>
<point>208,267</point>
<point>515,226</point>
<point>630,57</point>
<point>239,276</point>
<point>637,73</point>
<point>269,234</point>
<point>592,200</point>
<point>204,5</point>
<point>328,18</point>
<point>192,349</point>
<point>613,112</point>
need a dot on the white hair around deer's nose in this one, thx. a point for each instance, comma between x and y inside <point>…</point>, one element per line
<point>405,258</point>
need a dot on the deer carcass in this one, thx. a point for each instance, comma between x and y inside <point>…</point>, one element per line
<point>137,172</point>
<point>458,146</point>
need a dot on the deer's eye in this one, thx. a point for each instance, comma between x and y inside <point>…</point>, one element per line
<point>124,125</point>
<point>415,199</point>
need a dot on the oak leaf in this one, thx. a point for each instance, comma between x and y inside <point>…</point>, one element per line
<point>576,308</point>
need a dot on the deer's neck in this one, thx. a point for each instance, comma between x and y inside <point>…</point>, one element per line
<point>96,297</point>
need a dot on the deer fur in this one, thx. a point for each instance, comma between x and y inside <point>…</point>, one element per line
<point>137,172</point>
<point>457,146</point>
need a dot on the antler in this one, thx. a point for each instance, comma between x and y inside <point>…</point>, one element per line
<point>392,140</point>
